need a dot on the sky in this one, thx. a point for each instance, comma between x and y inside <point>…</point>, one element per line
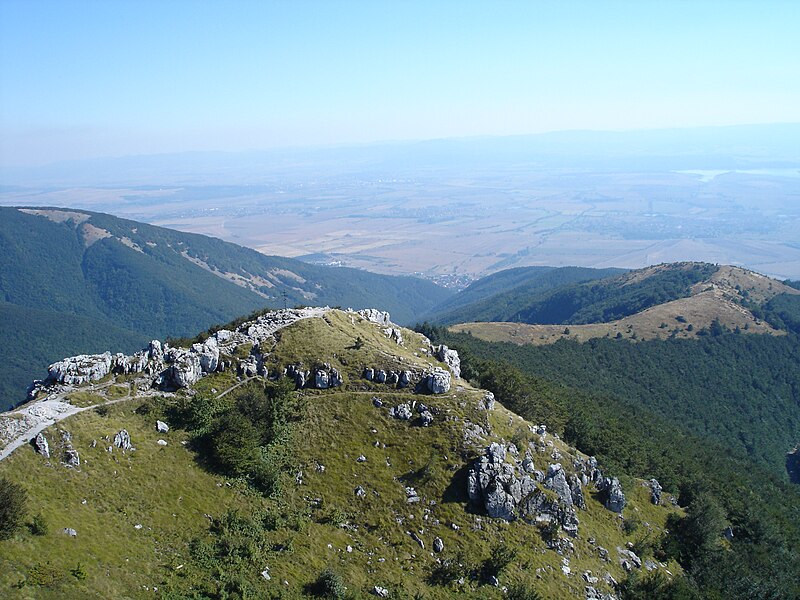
<point>83,79</point>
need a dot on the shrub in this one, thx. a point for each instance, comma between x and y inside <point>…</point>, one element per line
<point>329,585</point>
<point>502,555</point>
<point>39,525</point>
<point>522,591</point>
<point>13,507</point>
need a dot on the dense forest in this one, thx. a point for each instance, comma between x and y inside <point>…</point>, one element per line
<point>614,412</point>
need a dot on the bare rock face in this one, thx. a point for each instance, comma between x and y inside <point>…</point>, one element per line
<point>450,358</point>
<point>438,381</point>
<point>77,370</point>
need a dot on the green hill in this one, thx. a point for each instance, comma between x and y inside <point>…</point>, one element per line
<point>558,297</point>
<point>154,282</point>
<point>498,294</point>
<point>319,489</point>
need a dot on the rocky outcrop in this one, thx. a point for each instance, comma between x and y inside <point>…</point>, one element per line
<point>611,490</point>
<point>509,490</point>
<point>185,368</point>
<point>376,316</point>
<point>401,411</point>
<point>438,381</point>
<point>41,445</point>
<point>793,465</point>
<point>80,369</point>
<point>487,402</point>
<point>450,358</point>
<point>122,440</point>
<point>655,491</point>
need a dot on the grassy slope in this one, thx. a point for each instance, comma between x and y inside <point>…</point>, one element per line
<point>152,484</point>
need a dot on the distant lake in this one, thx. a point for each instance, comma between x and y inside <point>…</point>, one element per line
<point>708,175</point>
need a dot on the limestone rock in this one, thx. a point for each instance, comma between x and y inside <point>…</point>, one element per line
<point>71,458</point>
<point>401,411</point>
<point>162,427</point>
<point>185,369</point>
<point>613,498</point>
<point>487,402</point>
<point>77,370</point>
<point>438,545</point>
<point>321,380</point>
<point>380,376</point>
<point>40,443</point>
<point>380,592</point>
<point>655,491</point>
<point>335,379</point>
<point>70,532</point>
<point>369,374</point>
<point>426,418</point>
<point>438,381</point>
<point>376,316</point>
<point>404,379</point>
<point>122,440</point>
<point>450,358</point>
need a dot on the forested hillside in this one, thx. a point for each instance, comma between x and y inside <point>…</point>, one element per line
<point>665,409</point>
<point>554,297</point>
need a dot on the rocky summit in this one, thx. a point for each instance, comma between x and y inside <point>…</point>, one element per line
<point>301,449</point>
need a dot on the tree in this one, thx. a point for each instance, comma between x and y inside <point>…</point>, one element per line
<point>13,507</point>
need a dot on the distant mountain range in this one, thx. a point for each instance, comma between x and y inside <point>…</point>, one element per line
<point>76,281</point>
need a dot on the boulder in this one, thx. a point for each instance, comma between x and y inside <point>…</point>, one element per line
<point>438,545</point>
<point>438,381</point>
<point>380,376</point>
<point>71,458</point>
<point>426,418</point>
<point>369,374</point>
<point>335,379</point>
<point>401,411</point>
<point>122,440</point>
<point>404,379</point>
<point>321,380</point>
<point>556,480</point>
<point>655,491</point>
<point>185,369</point>
<point>450,358</point>
<point>300,380</point>
<point>41,445</point>
<point>208,354</point>
<point>613,497</point>
<point>380,592</point>
<point>162,427</point>
<point>487,402</point>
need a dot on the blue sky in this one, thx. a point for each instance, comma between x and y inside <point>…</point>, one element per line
<point>83,79</point>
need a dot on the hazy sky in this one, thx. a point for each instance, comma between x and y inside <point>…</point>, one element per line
<point>82,79</point>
